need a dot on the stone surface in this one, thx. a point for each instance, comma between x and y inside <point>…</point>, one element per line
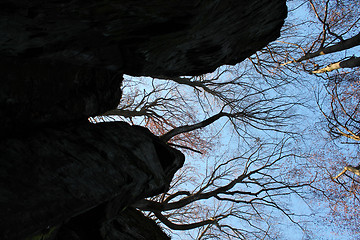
<point>141,37</point>
<point>40,92</point>
<point>54,174</point>
<point>129,224</point>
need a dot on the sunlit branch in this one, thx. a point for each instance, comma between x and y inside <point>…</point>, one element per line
<point>349,63</point>
<point>355,170</point>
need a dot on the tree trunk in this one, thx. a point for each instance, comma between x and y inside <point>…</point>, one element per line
<point>341,46</point>
<point>349,63</point>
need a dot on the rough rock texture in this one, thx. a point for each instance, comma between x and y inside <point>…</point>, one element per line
<point>37,92</point>
<point>54,174</point>
<point>141,37</point>
<point>129,224</point>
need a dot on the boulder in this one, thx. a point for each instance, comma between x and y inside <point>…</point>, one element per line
<point>54,174</point>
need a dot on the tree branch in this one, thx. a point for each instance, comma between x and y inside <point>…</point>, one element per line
<point>352,169</point>
<point>188,128</point>
<point>349,63</point>
<point>184,147</point>
<point>343,45</point>
<point>189,226</point>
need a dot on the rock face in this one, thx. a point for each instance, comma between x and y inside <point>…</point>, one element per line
<point>37,92</point>
<point>63,61</point>
<point>129,224</point>
<point>53,174</point>
<point>141,37</point>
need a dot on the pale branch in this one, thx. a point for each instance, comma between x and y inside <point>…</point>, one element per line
<point>349,63</point>
<point>202,234</point>
<point>355,170</point>
<point>342,45</point>
<point>350,134</point>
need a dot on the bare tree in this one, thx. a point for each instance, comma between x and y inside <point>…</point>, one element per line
<point>337,24</point>
<point>176,110</point>
<point>342,116</point>
<point>336,163</point>
<point>314,39</point>
<point>339,191</point>
<point>241,190</point>
<point>342,113</point>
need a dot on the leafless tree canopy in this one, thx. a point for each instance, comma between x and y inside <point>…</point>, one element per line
<point>251,108</point>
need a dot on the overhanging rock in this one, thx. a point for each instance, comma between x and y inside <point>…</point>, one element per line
<point>141,37</point>
<point>54,174</point>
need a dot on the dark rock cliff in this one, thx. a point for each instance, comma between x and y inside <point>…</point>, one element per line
<point>36,92</point>
<point>63,61</point>
<point>53,174</point>
<point>141,37</point>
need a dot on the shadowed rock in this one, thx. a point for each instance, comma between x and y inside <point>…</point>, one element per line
<point>141,37</point>
<point>128,224</point>
<point>38,92</point>
<point>54,174</point>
